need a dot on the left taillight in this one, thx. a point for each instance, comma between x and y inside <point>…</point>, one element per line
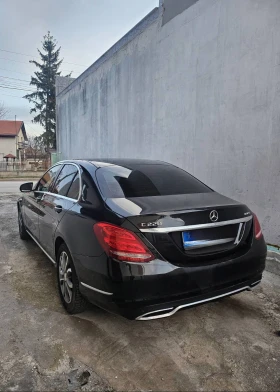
<point>122,244</point>
<point>257,227</point>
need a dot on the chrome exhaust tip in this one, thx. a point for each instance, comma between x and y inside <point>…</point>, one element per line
<point>156,314</point>
<point>253,285</point>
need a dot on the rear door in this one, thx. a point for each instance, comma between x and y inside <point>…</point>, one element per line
<point>32,201</point>
<point>61,197</point>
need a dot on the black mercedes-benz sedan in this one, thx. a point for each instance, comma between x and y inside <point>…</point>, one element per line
<point>140,238</point>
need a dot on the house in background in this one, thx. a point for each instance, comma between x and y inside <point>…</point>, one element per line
<point>12,139</point>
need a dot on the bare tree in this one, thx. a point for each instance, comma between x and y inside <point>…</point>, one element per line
<point>35,149</point>
<point>3,110</point>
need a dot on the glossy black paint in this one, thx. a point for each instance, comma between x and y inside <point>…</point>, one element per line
<point>176,276</point>
<point>26,187</point>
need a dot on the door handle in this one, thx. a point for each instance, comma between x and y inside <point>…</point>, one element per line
<point>58,209</point>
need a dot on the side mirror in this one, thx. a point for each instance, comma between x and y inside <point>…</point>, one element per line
<point>27,187</point>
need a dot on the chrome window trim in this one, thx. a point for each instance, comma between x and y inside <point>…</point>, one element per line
<point>56,195</point>
<point>40,246</point>
<point>94,289</point>
<point>61,196</point>
<point>145,316</point>
<point>195,227</point>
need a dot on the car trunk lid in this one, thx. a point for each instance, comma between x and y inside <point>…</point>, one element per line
<point>186,227</point>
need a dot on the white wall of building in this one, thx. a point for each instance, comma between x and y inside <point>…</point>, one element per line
<point>7,146</point>
<point>201,91</point>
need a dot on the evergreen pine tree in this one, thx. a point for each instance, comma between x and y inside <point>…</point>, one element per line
<point>44,96</point>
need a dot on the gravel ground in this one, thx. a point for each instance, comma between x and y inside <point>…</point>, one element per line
<point>232,344</point>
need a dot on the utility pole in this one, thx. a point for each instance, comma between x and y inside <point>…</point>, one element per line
<point>17,143</point>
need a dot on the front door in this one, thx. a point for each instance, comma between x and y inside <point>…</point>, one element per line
<point>31,211</point>
<point>32,201</point>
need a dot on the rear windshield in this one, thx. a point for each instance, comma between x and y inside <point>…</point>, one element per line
<point>147,180</point>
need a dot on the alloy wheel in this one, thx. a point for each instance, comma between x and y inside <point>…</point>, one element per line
<point>65,277</point>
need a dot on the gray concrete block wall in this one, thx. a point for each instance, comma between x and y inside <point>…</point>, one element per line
<point>201,91</point>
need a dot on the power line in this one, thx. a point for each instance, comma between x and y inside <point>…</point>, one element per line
<point>25,62</point>
<point>29,55</point>
<point>7,77</point>
<point>13,83</point>
<point>30,122</point>
<point>13,80</point>
<point>17,85</point>
<point>9,95</point>
<point>16,61</point>
<point>22,73</point>
<point>14,88</point>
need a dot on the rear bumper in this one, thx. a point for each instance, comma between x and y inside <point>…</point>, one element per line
<point>160,289</point>
<point>147,310</point>
<point>173,308</point>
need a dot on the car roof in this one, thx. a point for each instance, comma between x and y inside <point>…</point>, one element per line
<point>124,162</point>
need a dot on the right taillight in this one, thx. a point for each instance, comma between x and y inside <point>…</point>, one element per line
<point>257,228</point>
<point>122,244</point>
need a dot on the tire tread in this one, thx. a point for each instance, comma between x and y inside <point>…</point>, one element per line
<point>22,232</point>
<point>78,303</point>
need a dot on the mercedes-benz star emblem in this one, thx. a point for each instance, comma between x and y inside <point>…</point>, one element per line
<point>214,216</point>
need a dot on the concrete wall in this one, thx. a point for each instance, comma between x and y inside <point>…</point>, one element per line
<point>21,174</point>
<point>173,8</point>
<point>201,91</point>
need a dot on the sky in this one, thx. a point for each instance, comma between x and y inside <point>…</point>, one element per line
<point>84,29</point>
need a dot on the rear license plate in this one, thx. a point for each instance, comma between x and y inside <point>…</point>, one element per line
<point>187,239</point>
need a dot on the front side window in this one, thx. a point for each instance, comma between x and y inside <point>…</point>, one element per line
<point>147,180</point>
<point>48,179</point>
<point>65,180</point>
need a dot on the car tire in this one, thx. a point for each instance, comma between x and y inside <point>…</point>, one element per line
<point>68,283</point>
<point>21,227</point>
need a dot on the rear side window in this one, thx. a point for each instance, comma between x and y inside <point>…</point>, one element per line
<point>89,192</point>
<point>74,189</point>
<point>147,180</point>
<point>48,179</point>
<point>64,180</point>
